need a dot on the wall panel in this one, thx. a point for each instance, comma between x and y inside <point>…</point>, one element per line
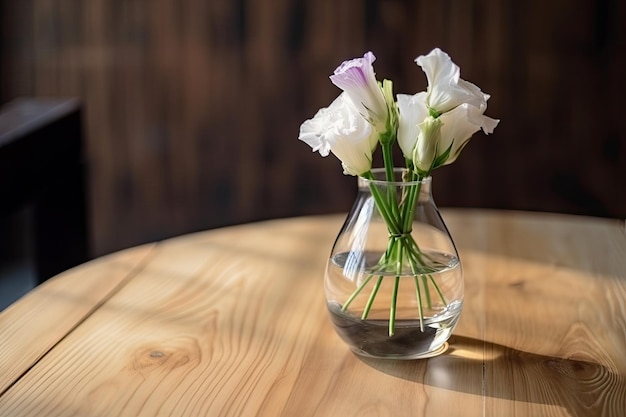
<point>193,106</point>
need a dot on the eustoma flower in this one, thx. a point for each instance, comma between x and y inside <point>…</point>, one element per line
<point>458,104</point>
<point>340,129</point>
<point>357,79</point>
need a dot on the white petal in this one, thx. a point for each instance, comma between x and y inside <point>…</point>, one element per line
<point>446,90</point>
<point>487,124</point>
<point>459,125</point>
<point>340,129</point>
<point>356,77</point>
<point>411,112</point>
<point>314,132</point>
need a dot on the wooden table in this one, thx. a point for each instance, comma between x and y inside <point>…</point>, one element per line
<point>232,322</point>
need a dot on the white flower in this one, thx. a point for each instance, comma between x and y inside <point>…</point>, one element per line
<point>457,127</point>
<point>340,129</point>
<point>446,89</point>
<point>356,77</point>
<point>458,105</point>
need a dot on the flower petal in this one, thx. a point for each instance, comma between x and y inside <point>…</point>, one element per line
<point>412,111</point>
<point>446,89</point>
<point>357,78</point>
<point>314,132</point>
<point>340,129</point>
<point>458,127</point>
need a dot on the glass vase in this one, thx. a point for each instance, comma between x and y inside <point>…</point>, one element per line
<point>394,280</point>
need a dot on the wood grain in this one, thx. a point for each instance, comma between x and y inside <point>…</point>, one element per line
<point>30,328</point>
<point>193,107</point>
<point>232,322</point>
<point>552,295</point>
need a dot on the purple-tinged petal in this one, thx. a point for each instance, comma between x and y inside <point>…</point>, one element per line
<point>357,78</point>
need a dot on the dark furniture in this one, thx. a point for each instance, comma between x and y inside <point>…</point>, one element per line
<point>43,210</point>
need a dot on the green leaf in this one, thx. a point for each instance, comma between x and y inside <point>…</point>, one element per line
<point>441,159</point>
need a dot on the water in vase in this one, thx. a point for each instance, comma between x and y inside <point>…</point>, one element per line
<point>412,337</point>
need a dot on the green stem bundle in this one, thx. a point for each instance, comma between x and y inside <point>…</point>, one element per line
<point>398,211</point>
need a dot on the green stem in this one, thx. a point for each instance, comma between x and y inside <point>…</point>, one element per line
<point>356,292</point>
<point>370,300</point>
<point>381,263</point>
<point>388,161</point>
<point>392,309</point>
<point>443,299</point>
<point>409,205</point>
<point>392,203</point>
<point>394,297</point>
<point>385,211</point>
<point>429,301</point>
<point>419,302</point>
<point>390,176</point>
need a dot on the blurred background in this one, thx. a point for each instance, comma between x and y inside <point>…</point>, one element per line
<point>191,108</point>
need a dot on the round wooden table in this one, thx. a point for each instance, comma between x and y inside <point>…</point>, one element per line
<point>232,322</point>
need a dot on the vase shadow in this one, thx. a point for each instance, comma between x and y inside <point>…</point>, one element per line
<point>486,369</point>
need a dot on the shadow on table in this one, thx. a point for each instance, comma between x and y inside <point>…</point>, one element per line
<point>583,388</point>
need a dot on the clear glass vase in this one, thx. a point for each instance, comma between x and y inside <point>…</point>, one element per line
<point>394,280</point>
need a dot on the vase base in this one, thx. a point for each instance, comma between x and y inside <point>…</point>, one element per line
<point>430,354</point>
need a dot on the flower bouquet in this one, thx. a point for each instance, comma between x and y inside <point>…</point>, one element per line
<point>430,128</point>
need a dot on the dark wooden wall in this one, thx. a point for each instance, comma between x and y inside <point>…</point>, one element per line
<point>192,107</point>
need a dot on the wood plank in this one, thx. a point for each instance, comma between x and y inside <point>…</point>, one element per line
<point>36,323</point>
<point>227,323</point>
<point>553,295</point>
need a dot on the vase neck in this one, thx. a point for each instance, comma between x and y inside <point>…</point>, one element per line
<point>401,179</point>
<point>418,191</point>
